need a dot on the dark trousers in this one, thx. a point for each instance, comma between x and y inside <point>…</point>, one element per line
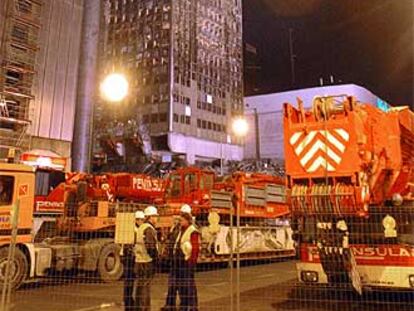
<point>144,273</point>
<point>129,277</point>
<point>181,280</point>
<point>172,290</point>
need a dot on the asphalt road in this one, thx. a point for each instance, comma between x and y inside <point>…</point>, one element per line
<point>264,287</point>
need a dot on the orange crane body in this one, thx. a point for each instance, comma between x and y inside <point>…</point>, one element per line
<point>350,177</point>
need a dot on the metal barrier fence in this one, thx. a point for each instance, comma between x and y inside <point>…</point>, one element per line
<point>262,275</point>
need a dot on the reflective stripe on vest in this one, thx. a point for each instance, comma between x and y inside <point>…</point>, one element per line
<point>141,254</point>
<point>185,241</point>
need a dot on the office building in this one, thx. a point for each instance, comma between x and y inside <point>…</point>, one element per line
<point>183,60</point>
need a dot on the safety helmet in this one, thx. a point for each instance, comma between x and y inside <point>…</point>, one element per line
<point>150,211</point>
<point>139,215</point>
<point>185,208</point>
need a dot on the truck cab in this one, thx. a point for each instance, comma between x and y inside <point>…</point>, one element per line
<point>17,184</point>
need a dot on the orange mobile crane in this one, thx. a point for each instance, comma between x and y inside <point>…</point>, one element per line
<point>350,177</point>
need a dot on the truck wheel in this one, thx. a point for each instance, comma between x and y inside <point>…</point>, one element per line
<point>110,266</point>
<point>18,268</point>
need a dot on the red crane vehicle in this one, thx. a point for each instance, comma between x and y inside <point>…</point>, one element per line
<point>81,235</point>
<point>257,201</point>
<point>350,177</point>
<point>253,203</point>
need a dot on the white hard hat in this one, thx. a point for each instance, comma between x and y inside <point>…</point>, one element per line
<point>151,211</point>
<point>139,215</point>
<point>185,208</point>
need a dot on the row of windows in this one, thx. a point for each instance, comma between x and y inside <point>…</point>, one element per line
<point>208,125</point>
<point>182,99</point>
<point>154,118</point>
<point>211,108</point>
<point>182,119</point>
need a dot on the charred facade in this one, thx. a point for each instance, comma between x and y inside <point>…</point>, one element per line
<point>183,59</point>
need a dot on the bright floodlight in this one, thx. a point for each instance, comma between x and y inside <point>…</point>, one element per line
<point>240,127</point>
<point>114,87</point>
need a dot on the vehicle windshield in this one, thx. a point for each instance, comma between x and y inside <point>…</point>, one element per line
<point>46,181</point>
<point>368,231</point>
<point>174,188</point>
<point>6,190</point>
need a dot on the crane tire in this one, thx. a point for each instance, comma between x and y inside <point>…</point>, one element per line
<point>19,267</point>
<point>110,267</point>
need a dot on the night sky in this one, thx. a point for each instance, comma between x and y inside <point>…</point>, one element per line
<point>366,42</point>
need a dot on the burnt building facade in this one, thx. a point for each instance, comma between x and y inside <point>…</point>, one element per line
<point>183,60</point>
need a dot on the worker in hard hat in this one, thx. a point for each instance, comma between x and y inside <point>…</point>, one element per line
<point>172,293</point>
<point>185,254</point>
<point>146,257</point>
<point>129,263</point>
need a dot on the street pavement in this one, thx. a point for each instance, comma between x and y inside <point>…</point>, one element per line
<point>263,287</point>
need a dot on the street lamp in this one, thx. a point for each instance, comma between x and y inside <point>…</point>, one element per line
<point>240,127</point>
<point>114,87</point>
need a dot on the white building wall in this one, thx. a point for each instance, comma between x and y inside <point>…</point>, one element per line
<point>269,109</point>
<point>57,70</point>
<point>201,149</point>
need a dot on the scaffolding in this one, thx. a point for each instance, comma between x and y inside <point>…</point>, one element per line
<point>18,48</point>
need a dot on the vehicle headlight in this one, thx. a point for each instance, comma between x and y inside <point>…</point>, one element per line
<point>411,280</point>
<point>309,276</point>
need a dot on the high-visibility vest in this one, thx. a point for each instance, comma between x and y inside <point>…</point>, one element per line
<point>184,239</point>
<point>141,254</point>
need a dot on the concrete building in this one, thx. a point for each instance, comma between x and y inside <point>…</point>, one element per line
<point>184,62</point>
<point>55,86</point>
<point>40,42</point>
<point>264,114</point>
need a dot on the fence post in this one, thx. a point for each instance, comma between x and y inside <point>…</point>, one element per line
<point>7,286</point>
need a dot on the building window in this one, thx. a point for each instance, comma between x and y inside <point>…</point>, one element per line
<point>175,117</point>
<point>7,187</point>
<point>188,120</point>
<point>182,119</point>
<point>163,117</point>
<point>204,124</point>
<point>154,118</point>
<point>198,123</point>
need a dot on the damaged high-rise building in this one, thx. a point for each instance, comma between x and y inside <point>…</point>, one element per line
<point>183,60</point>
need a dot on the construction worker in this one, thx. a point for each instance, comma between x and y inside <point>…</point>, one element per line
<point>129,262</point>
<point>185,255</point>
<point>172,293</point>
<point>146,257</point>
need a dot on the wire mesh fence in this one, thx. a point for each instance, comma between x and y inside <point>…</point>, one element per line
<point>97,258</point>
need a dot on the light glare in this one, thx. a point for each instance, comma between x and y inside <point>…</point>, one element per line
<point>240,127</point>
<point>114,87</point>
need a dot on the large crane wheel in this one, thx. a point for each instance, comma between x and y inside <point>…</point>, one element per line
<point>19,267</point>
<point>110,266</point>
